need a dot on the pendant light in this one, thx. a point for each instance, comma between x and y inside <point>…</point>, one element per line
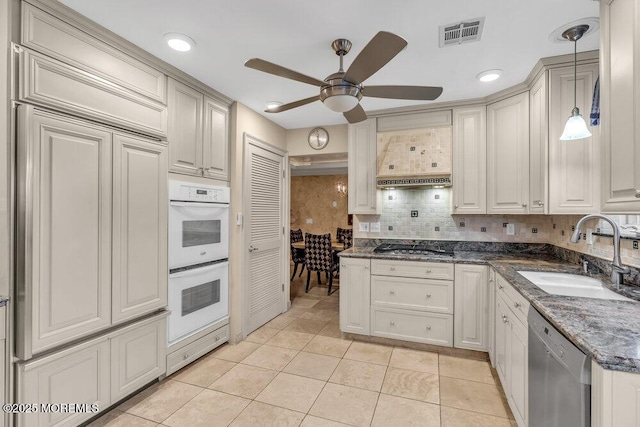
<point>576,127</point>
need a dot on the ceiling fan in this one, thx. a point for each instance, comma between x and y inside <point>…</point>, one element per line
<point>342,91</point>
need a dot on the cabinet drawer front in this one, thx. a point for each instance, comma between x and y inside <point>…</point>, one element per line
<point>2,322</point>
<point>196,349</point>
<point>47,34</point>
<point>415,294</point>
<point>514,299</point>
<point>138,357</point>
<point>430,328</point>
<point>427,270</point>
<point>77,375</point>
<point>53,84</point>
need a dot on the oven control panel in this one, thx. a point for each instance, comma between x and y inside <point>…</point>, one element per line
<point>190,192</point>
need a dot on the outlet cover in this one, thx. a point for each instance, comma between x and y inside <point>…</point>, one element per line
<point>374,227</point>
<point>589,237</point>
<point>635,244</point>
<point>511,229</point>
<point>309,220</point>
<point>363,227</point>
<point>414,214</point>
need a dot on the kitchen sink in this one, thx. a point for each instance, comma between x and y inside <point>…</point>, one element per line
<point>571,285</point>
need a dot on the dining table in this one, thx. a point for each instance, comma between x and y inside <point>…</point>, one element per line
<point>335,245</point>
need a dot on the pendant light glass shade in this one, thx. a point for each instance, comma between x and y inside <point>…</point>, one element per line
<point>576,127</point>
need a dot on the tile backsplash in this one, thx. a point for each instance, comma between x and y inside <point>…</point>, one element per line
<point>434,221</point>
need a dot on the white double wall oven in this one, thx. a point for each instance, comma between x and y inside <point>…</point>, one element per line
<point>198,258</point>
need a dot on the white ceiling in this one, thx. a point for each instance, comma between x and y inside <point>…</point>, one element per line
<point>298,35</point>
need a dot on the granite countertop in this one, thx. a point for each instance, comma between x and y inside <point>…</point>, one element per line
<point>3,300</point>
<point>606,330</point>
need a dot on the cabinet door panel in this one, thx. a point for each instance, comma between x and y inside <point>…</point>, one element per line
<point>185,128</point>
<point>215,150</point>
<point>139,227</point>
<point>65,171</point>
<point>137,357</point>
<point>362,168</point>
<point>471,306</point>
<point>574,166</point>
<point>503,333</point>
<point>518,370</point>
<point>469,160</point>
<point>78,375</point>
<point>355,277</point>
<point>538,145</point>
<point>508,155</point>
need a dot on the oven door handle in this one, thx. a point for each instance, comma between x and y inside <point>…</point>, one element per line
<point>199,205</point>
<point>199,270</point>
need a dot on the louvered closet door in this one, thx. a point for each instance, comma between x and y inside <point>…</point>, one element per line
<point>264,226</point>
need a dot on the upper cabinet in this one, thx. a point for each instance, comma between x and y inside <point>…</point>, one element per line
<point>620,104</point>
<point>538,145</point>
<point>574,166</point>
<point>508,155</point>
<point>198,133</point>
<point>469,160</point>
<point>362,168</point>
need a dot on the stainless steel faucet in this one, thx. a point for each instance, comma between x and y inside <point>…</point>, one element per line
<point>617,269</point>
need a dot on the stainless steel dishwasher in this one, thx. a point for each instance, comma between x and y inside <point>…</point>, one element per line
<point>559,378</point>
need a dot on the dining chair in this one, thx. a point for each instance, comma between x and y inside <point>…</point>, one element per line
<point>297,255</point>
<point>340,234</point>
<point>348,239</point>
<point>319,257</point>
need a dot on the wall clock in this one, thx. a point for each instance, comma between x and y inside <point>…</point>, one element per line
<point>318,138</point>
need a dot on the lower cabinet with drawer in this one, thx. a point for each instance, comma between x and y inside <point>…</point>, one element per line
<point>511,347</point>
<point>412,301</point>
<point>185,354</point>
<point>92,375</point>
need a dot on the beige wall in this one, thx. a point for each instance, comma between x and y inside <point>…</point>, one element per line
<point>243,120</point>
<point>313,197</point>
<point>297,144</point>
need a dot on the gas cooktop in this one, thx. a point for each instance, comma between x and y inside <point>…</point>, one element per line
<point>417,249</point>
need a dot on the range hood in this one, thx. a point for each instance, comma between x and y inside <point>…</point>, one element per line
<point>414,157</point>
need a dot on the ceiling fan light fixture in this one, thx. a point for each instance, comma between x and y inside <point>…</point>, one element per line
<point>489,75</point>
<point>179,42</point>
<point>341,98</point>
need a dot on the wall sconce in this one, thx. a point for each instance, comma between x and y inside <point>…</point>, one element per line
<point>341,188</point>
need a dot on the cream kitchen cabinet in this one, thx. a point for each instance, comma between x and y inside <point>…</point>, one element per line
<point>64,192</point>
<point>620,104</point>
<point>614,398</point>
<point>511,347</point>
<point>139,259</point>
<point>412,301</point>
<point>363,194</point>
<point>355,284</point>
<point>491,343</point>
<point>469,161</point>
<point>96,373</point>
<point>198,133</point>
<point>574,166</point>
<point>539,145</point>
<point>508,155</point>
<point>3,361</point>
<point>94,201</point>
<point>471,320</point>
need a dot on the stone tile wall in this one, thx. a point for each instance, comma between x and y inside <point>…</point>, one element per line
<point>435,222</point>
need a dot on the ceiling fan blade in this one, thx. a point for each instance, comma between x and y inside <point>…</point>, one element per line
<point>380,50</point>
<point>418,93</point>
<point>278,70</point>
<point>294,104</point>
<point>355,115</point>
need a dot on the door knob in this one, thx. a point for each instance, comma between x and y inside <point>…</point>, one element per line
<point>251,249</point>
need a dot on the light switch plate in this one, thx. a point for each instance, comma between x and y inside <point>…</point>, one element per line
<point>589,236</point>
<point>511,229</point>
<point>374,227</point>
<point>309,220</point>
<point>364,227</point>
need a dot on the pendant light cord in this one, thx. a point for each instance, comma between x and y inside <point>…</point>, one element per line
<point>575,73</point>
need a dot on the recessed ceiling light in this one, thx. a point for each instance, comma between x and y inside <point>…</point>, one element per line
<point>179,42</point>
<point>273,104</point>
<point>489,75</point>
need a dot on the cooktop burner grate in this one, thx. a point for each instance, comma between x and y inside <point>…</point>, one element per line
<point>420,249</point>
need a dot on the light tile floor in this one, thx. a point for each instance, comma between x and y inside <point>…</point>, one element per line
<point>297,371</point>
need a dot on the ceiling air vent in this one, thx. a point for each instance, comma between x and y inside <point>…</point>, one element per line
<point>461,32</point>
